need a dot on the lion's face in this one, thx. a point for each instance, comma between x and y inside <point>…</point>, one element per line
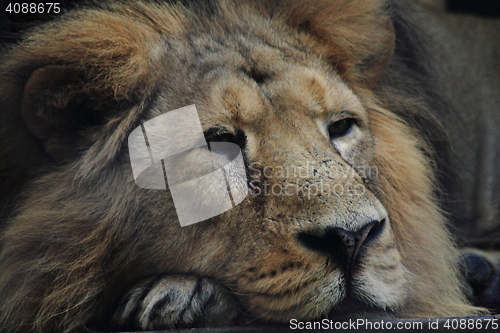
<point>312,233</point>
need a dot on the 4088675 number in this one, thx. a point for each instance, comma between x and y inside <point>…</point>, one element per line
<point>33,8</point>
<point>471,324</point>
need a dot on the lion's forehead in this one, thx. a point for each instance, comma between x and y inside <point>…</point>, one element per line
<point>247,80</point>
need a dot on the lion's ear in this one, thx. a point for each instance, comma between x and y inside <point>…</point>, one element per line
<point>53,107</point>
<point>375,65</point>
<point>356,36</point>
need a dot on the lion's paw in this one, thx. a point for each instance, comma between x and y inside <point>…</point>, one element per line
<point>170,302</point>
<point>482,273</point>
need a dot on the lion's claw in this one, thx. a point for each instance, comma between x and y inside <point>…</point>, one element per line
<point>170,302</point>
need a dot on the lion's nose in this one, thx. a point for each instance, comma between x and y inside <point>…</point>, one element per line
<point>341,244</point>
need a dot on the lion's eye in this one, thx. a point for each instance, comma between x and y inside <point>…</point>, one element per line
<point>218,135</point>
<point>340,128</point>
<point>222,137</point>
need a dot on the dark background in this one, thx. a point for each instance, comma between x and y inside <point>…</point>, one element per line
<point>481,7</point>
<point>12,24</point>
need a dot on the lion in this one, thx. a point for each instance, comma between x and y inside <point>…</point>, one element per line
<point>367,133</point>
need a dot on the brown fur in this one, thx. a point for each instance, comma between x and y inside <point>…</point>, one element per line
<point>82,233</point>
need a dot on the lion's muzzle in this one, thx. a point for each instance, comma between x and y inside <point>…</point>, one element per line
<point>343,245</point>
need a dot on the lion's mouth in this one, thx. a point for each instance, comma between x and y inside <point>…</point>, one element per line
<point>352,307</point>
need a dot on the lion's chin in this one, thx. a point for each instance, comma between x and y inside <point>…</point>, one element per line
<point>351,308</point>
